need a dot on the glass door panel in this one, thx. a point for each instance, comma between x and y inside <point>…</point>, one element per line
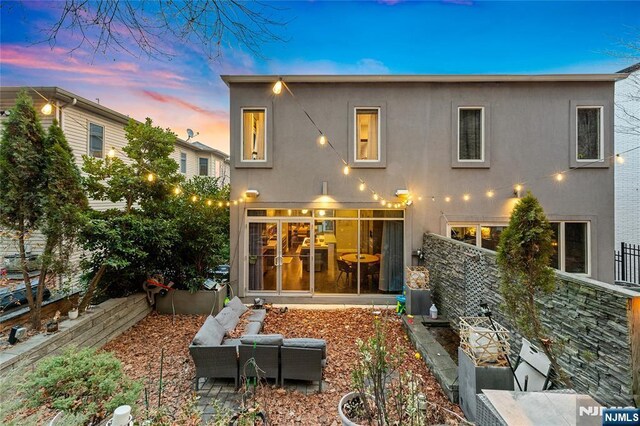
<point>263,253</point>
<point>336,244</point>
<point>296,256</point>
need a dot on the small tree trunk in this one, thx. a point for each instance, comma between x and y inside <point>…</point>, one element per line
<point>25,276</point>
<point>36,310</point>
<point>93,284</point>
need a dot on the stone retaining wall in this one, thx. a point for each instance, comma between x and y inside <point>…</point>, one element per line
<point>598,323</point>
<point>92,329</point>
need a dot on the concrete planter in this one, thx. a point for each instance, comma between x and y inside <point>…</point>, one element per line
<point>348,397</point>
<point>473,379</point>
<point>184,302</point>
<point>418,301</point>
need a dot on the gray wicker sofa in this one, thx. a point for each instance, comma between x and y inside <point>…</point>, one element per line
<point>277,358</point>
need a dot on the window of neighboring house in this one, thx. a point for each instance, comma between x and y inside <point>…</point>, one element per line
<point>254,134</point>
<point>589,133</point>
<point>470,134</point>
<point>570,242</point>
<point>96,140</point>
<point>367,134</point>
<point>203,166</point>
<point>183,162</point>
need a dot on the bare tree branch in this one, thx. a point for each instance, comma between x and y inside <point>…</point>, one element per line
<point>152,28</point>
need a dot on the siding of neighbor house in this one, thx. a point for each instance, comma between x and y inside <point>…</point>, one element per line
<point>75,121</point>
<point>529,128</point>
<point>627,175</point>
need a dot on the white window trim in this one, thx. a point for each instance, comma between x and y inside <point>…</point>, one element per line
<point>355,134</point>
<point>482,132</point>
<point>266,139</point>
<point>186,162</point>
<point>601,135</point>
<point>104,138</point>
<point>208,166</point>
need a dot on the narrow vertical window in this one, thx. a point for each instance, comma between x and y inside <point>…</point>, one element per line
<point>254,135</point>
<point>203,166</point>
<point>576,247</point>
<point>589,137</point>
<point>470,134</point>
<point>183,162</point>
<point>367,134</point>
<point>96,140</point>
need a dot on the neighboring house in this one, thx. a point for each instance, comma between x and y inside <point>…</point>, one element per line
<point>627,174</point>
<point>208,162</point>
<point>93,129</point>
<point>437,137</point>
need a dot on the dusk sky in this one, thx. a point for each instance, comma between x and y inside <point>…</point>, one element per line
<point>385,37</point>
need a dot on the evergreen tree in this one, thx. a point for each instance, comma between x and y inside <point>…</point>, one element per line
<point>524,255</point>
<point>23,179</point>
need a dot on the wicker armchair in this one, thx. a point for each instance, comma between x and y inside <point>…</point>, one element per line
<point>301,364</point>
<point>215,361</point>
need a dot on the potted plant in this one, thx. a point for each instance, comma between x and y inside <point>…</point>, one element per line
<point>382,395</point>
<point>68,289</point>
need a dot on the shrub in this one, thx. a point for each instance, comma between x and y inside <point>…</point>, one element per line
<point>84,382</point>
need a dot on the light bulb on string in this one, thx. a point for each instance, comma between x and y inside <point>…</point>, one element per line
<point>322,140</point>
<point>389,205</point>
<point>150,177</point>
<point>466,197</point>
<point>194,198</point>
<point>241,199</point>
<point>177,190</point>
<point>235,202</point>
<point>447,199</point>
<point>277,87</point>
<point>376,197</point>
<point>362,186</point>
<point>47,108</point>
<point>518,188</point>
<point>490,193</point>
<point>559,177</point>
<point>346,170</point>
<point>228,204</point>
<point>219,203</point>
<point>111,153</point>
<point>209,202</point>
<point>619,159</point>
<point>383,202</point>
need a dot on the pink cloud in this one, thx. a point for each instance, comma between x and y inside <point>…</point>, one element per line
<point>163,98</point>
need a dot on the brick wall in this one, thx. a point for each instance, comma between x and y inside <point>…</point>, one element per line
<point>598,323</point>
<point>93,329</point>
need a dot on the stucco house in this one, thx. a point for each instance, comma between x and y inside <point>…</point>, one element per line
<point>448,154</point>
<point>627,170</point>
<point>93,129</point>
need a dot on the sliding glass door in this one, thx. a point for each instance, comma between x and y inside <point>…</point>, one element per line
<point>279,256</point>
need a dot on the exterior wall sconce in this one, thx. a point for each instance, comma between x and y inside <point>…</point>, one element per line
<point>517,191</point>
<point>252,193</point>
<point>402,193</point>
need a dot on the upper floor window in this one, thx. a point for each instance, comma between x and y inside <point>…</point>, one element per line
<point>254,138</point>
<point>183,162</point>
<point>471,134</point>
<point>203,166</point>
<point>96,140</point>
<point>367,134</point>
<point>589,133</point>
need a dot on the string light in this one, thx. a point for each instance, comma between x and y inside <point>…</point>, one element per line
<point>228,204</point>
<point>559,177</point>
<point>490,193</point>
<point>346,170</point>
<point>619,159</point>
<point>177,190</point>
<point>383,202</point>
<point>518,187</point>
<point>376,197</point>
<point>322,140</point>
<point>111,153</point>
<point>150,177</point>
<point>209,202</point>
<point>194,198</point>
<point>447,199</point>
<point>277,88</point>
<point>235,202</point>
<point>219,203</point>
<point>362,186</point>
<point>466,197</point>
<point>47,108</point>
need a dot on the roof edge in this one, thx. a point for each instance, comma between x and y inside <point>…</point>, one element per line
<point>421,78</point>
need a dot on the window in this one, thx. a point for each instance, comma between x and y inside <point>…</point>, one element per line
<point>570,242</point>
<point>254,134</point>
<point>203,166</point>
<point>96,140</point>
<point>183,162</point>
<point>471,134</point>
<point>589,133</point>
<point>367,134</point>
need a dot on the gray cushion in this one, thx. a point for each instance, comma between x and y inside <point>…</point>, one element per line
<point>304,342</point>
<point>228,318</point>
<point>258,315</point>
<point>252,327</point>
<point>210,334</point>
<point>237,305</point>
<point>231,342</point>
<point>262,339</point>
